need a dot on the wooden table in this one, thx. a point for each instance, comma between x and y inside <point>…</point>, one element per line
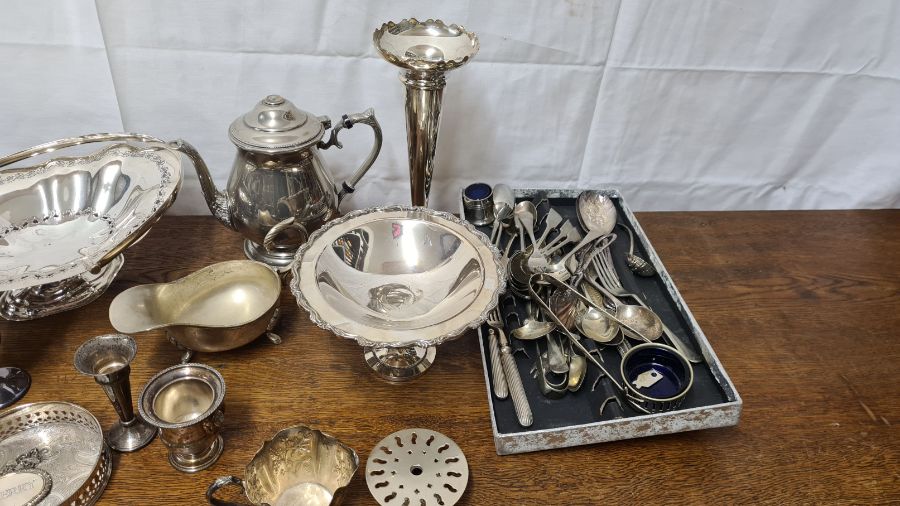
<point>801,307</point>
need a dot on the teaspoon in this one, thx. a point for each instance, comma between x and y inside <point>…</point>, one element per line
<point>504,201</point>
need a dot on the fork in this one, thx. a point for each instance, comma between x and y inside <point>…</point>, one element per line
<point>609,279</point>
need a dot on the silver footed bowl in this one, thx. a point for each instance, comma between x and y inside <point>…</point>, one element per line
<point>425,46</point>
<point>398,276</point>
<point>64,223</point>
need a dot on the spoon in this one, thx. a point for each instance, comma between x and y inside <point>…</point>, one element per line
<point>557,358</point>
<point>577,372</point>
<point>634,262</point>
<point>532,328</point>
<point>542,370</point>
<point>642,320</point>
<point>639,322</point>
<point>524,219</point>
<point>527,214</point>
<point>591,322</point>
<point>551,220</point>
<point>596,211</point>
<point>504,201</point>
<point>564,302</point>
<point>597,215</point>
<point>596,326</point>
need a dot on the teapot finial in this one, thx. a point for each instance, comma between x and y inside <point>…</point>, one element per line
<point>273,100</point>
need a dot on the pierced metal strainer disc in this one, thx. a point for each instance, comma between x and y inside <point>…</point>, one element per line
<point>417,467</point>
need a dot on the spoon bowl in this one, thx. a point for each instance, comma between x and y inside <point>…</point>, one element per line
<point>533,329</point>
<point>635,263</point>
<point>577,372</point>
<point>595,325</point>
<point>642,320</point>
<point>596,212</point>
<point>526,213</point>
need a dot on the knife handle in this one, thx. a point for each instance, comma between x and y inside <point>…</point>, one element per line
<point>498,377</point>
<point>516,391</point>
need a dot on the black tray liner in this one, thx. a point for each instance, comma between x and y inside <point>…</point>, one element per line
<point>583,406</point>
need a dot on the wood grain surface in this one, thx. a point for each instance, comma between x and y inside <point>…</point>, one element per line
<point>801,308</point>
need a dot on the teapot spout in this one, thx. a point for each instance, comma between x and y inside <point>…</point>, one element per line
<point>218,202</point>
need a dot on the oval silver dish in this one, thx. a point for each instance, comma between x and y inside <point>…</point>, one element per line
<point>64,223</point>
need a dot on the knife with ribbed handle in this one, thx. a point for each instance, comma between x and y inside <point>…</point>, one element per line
<point>514,381</point>
<point>498,377</point>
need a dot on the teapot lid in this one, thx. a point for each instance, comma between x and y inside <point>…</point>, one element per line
<point>275,125</point>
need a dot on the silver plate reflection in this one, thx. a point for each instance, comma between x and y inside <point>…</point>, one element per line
<point>398,276</point>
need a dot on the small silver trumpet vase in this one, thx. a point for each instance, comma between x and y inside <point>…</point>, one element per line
<point>107,359</point>
<point>424,51</point>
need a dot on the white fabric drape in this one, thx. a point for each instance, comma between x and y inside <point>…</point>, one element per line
<point>701,104</point>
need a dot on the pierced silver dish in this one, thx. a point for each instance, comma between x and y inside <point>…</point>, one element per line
<point>64,223</point>
<point>399,280</point>
<point>61,442</point>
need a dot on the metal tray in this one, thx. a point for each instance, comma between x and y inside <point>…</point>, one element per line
<point>574,420</point>
<point>62,440</point>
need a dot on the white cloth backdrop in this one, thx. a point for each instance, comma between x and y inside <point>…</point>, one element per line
<point>698,104</point>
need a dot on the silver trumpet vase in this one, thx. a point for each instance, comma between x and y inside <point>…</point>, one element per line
<point>424,51</point>
<point>108,359</point>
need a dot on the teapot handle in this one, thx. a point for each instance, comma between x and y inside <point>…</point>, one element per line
<point>347,121</point>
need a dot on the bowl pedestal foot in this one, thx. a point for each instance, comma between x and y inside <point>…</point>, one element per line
<point>399,364</point>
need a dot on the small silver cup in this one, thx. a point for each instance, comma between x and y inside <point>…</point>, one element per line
<point>108,359</point>
<point>478,204</point>
<point>186,402</point>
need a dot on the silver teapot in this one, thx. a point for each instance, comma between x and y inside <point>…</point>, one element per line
<point>279,190</point>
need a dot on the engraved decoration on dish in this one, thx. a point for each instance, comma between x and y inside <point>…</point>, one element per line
<point>299,465</point>
<point>398,276</point>
<point>67,442</point>
<point>217,308</point>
